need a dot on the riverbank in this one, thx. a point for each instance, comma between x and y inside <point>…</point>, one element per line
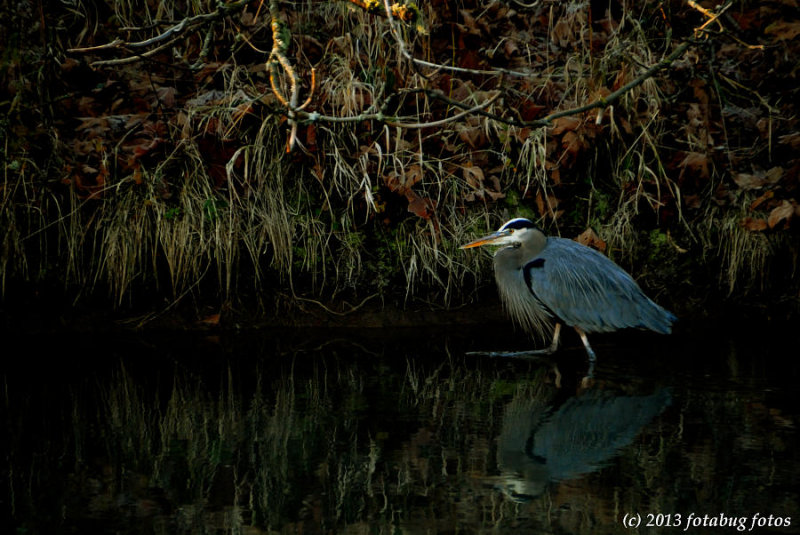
<point>178,185</point>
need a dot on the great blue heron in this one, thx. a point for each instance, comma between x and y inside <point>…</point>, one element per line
<point>545,280</point>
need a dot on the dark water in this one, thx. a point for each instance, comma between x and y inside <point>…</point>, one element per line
<point>400,432</point>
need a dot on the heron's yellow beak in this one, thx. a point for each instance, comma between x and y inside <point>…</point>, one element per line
<point>493,238</point>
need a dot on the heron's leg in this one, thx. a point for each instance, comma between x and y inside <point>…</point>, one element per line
<point>585,340</point>
<point>556,334</point>
<point>524,354</point>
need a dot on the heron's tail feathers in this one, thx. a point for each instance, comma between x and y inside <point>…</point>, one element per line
<point>657,318</point>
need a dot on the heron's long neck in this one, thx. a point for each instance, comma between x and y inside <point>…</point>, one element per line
<point>532,247</point>
<point>514,290</point>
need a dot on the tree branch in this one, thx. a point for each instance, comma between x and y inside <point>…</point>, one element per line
<point>446,120</point>
<point>170,35</point>
<point>604,102</point>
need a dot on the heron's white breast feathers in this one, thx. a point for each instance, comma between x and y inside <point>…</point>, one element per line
<point>523,307</point>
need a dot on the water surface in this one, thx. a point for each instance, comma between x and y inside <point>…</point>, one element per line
<point>398,431</point>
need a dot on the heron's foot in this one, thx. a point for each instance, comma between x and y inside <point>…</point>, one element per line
<point>589,350</point>
<point>530,354</point>
<point>588,380</point>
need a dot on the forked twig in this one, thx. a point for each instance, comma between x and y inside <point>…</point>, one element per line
<point>167,37</point>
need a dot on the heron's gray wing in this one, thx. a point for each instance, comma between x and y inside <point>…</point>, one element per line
<point>587,290</point>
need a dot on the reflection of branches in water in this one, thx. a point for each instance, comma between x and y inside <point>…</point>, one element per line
<point>318,443</point>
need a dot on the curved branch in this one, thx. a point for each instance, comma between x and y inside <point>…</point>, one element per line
<point>446,120</point>
<point>170,35</point>
<point>604,102</point>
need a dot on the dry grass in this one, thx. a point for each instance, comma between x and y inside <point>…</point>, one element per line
<point>745,254</point>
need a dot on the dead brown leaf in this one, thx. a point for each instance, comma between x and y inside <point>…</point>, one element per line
<point>590,238</point>
<point>573,143</point>
<point>166,96</point>
<point>420,206</point>
<point>754,225</point>
<point>210,321</point>
<point>547,205</point>
<point>622,78</point>
<point>564,124</point>
<point>473,175</point>
<point>562,33</point>
<point>793,140</point>
<point>476,179</point>
<point>692,201</point>
<point>747,181</point>
<point>402,184</point>
<point>92,126</point>
<point>510,48</point>
<point>470,25</point>
<point>471,135</point>
<point>413,175</point>
<point>529,111</point>
<point>763,198</point>
<point>784,212</point>
<point>759,179</point>
<point>747,19</point>
<point>783,30</point>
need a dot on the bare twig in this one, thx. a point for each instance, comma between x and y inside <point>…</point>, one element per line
<point>352,309</point>
<point>395,30</point>
<point>446,120</point>
<point>116,43</point>
<point>438,95</point>
<point>389,11</point>
<point>712,17</point>
<point>275,91</point>
<point>305,104</point>
<point>137,57</point>
<point>167,37</point>
<point>314,117</point>
<point>604,102</point>
<point>278,57</point>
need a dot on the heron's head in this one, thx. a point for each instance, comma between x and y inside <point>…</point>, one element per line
<point>513,233</point>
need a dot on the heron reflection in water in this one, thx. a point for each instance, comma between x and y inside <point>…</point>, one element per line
<point>539,445</point>
<point>545,280</point>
